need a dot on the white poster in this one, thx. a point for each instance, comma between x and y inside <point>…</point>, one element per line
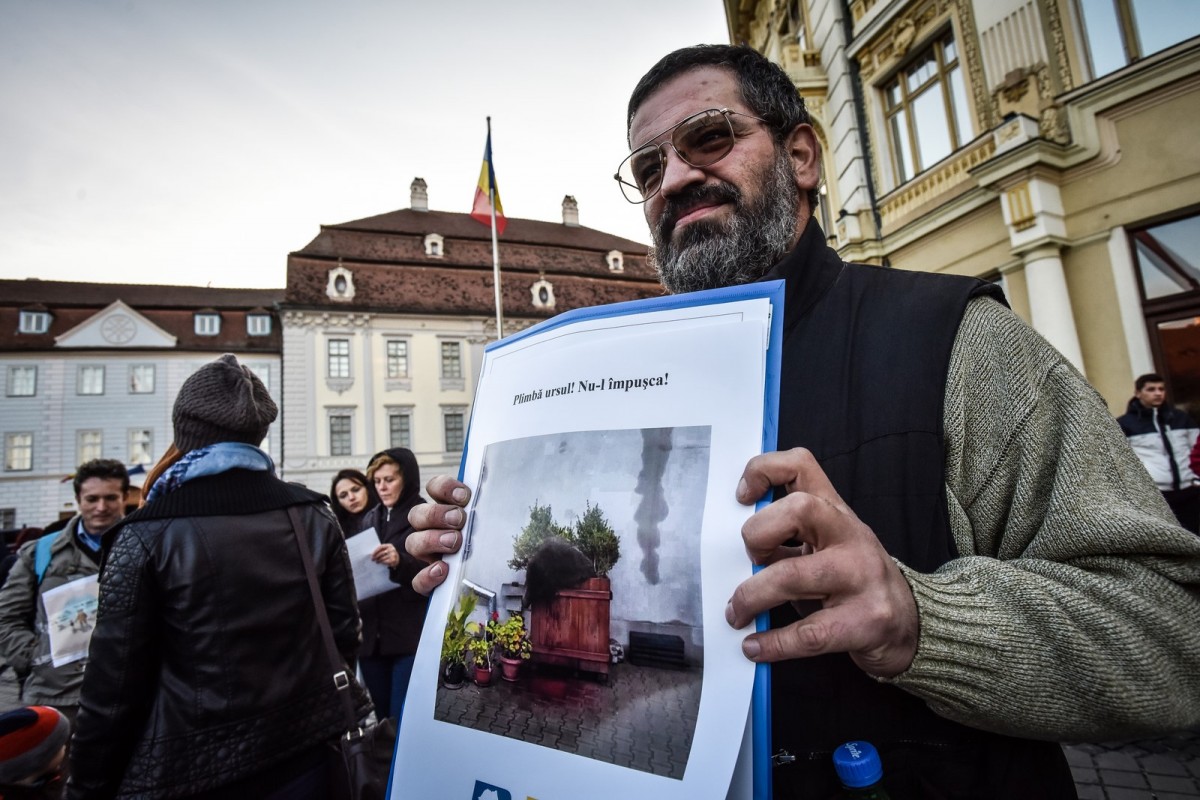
<point>70,618</point>
<point>603,456</point>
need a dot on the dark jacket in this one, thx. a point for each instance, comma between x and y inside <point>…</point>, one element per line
<point>392,621</point>
<point>207,662</point>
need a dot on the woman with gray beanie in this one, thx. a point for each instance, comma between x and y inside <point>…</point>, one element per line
<point>208,677</point>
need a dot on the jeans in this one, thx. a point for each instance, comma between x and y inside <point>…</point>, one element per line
<point>387,681</point>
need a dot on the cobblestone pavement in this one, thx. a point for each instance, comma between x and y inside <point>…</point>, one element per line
<point>642,718</point>
<point>1165,768</point>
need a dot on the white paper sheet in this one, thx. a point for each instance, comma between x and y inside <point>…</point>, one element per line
<point>564,418</point>
<point>70,618</point>
<point>370,578</point>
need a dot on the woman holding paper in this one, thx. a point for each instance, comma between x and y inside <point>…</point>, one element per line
<point>392,621</point>
<point>210,677</point>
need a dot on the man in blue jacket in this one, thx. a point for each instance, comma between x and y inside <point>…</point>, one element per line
<point>1162,436</point>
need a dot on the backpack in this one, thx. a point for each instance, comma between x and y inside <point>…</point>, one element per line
<point>41,556</point>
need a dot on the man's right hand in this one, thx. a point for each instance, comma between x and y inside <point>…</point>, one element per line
<point>437,529</point>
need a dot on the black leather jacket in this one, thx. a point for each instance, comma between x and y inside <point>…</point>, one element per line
<point>207,662</point>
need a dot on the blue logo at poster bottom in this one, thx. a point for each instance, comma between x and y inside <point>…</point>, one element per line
<point>485,791</point>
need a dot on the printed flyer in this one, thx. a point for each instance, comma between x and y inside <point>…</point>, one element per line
<point>578,648</point>
<point>70,618</point>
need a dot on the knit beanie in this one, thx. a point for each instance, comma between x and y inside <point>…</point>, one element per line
<point>30,738</point>
<point>222,401</point>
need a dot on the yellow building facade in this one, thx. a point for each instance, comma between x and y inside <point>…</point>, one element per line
<point>1049,145</point>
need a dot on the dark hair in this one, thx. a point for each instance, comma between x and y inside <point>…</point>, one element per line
<point>1149,377</point>
<point>765,87</point>
<point>348,521</point>
<point>104,468</point>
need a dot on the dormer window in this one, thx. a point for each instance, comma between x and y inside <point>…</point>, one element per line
<point>542,292</point>
<point>434,245</point>
<point>340,285</point>
<point>34,322</point>
<point>208,323</point>
<point>258,324</point>
<point>616,261</point>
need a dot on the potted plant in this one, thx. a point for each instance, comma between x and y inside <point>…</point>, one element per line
<point>480,651</point>
<point>454,641</point>
<point>512,643</point>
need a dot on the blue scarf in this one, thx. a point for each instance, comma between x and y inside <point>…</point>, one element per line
<point>212,459</point>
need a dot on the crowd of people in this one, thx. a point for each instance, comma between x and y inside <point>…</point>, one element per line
<point>964,563</point>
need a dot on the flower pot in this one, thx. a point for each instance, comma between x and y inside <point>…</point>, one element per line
<point>453,676</point>
<point>510,668</point>
<point>483,676</point>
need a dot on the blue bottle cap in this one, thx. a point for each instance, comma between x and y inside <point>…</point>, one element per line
<point>857,764</point>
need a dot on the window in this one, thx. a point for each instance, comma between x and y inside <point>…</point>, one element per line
<point>22,381</point>
<point>434,245</point>
<point>258,324</point>
<point>89,380</point>
<point>339,358</point>
<point>397,358</point>
<point>141,446</point>
<point>452,423</point>
<point>90,446</point>
<point>400,429</point>
<point>1119,32</point>
<point>451,360</point>
<point>208,324</point>
<point>141,379</point>
<point>339,435</point>
<point>1166,257</point>
<point>928,117</point>
<point>33,322</point>
<point>18,452</point>
<point>8,519</point>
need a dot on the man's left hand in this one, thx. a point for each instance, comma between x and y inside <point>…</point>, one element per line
<point>867,608</point>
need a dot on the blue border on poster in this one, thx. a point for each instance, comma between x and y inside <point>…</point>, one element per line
<point>760,702</point>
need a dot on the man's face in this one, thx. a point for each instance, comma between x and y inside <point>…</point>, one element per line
<point>1152,394</point>
<point>727,223</point>
<point>101,503</point>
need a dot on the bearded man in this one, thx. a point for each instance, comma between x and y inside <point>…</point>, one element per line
<point>965,562</point>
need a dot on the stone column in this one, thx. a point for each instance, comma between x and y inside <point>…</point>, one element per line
<point>1050,302</point>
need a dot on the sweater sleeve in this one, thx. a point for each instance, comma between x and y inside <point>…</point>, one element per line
<point>1073,609</point>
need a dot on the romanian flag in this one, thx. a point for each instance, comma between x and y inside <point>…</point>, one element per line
<point>486,191</point>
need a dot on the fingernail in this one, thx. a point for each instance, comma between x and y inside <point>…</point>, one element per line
<point>448,540</point>
<point>437,570</point>
<point>454,516</point>
<point>730,617</point>
<point>460,495</point>
<point>750,648</point>
<point>742,489</point>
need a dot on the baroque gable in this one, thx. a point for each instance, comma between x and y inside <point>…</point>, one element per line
<point>119,326</point>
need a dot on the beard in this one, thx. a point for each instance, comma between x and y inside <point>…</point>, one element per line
<point>709,254</point>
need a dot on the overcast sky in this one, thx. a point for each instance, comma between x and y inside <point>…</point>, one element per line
<point>199,142</point>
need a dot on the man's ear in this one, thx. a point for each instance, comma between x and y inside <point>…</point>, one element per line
<point>805,151</point>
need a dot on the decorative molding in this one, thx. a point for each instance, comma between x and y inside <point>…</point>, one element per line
<point>972,62</point>
<point>890,46</point>
<point>1020,207</point>
<point>541,293</point>
<point>339,385</point>
<point>935,183</point>
<point>340,286</point>
<point>1058,35</point>
<point>324,319</point>
<point>397,384</point>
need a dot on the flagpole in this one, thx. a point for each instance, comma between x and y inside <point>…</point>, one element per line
<point>495,241</point>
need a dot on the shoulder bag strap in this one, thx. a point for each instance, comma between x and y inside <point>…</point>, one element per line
<point>341,679</point>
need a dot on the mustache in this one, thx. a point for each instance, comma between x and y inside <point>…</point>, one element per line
<point>678,205</point>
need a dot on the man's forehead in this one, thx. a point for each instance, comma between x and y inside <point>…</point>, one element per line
<point>98,486</point>
<point>679,97</point>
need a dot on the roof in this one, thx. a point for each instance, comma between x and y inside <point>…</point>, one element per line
<point>464,226</point>
<point>25,293</point>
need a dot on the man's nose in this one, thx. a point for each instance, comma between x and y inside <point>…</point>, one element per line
<point>677,173</point>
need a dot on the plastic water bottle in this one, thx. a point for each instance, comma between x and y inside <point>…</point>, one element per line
<point>860,771</point>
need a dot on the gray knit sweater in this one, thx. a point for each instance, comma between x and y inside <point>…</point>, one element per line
<point>1073,612</point>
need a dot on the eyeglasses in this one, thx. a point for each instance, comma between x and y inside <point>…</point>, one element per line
<point>701,140</point>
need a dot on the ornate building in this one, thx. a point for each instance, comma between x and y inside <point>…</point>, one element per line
<point>91,370</point>
<point>1045,144</point>
<point>390,316</point>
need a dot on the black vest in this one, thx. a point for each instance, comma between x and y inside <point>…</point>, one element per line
<point>866,352</point>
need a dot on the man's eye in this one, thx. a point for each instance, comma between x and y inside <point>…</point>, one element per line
<point>706,139</point>
<point>646,168</point>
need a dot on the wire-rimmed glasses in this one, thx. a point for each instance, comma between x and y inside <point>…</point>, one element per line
<point>701,140</point>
